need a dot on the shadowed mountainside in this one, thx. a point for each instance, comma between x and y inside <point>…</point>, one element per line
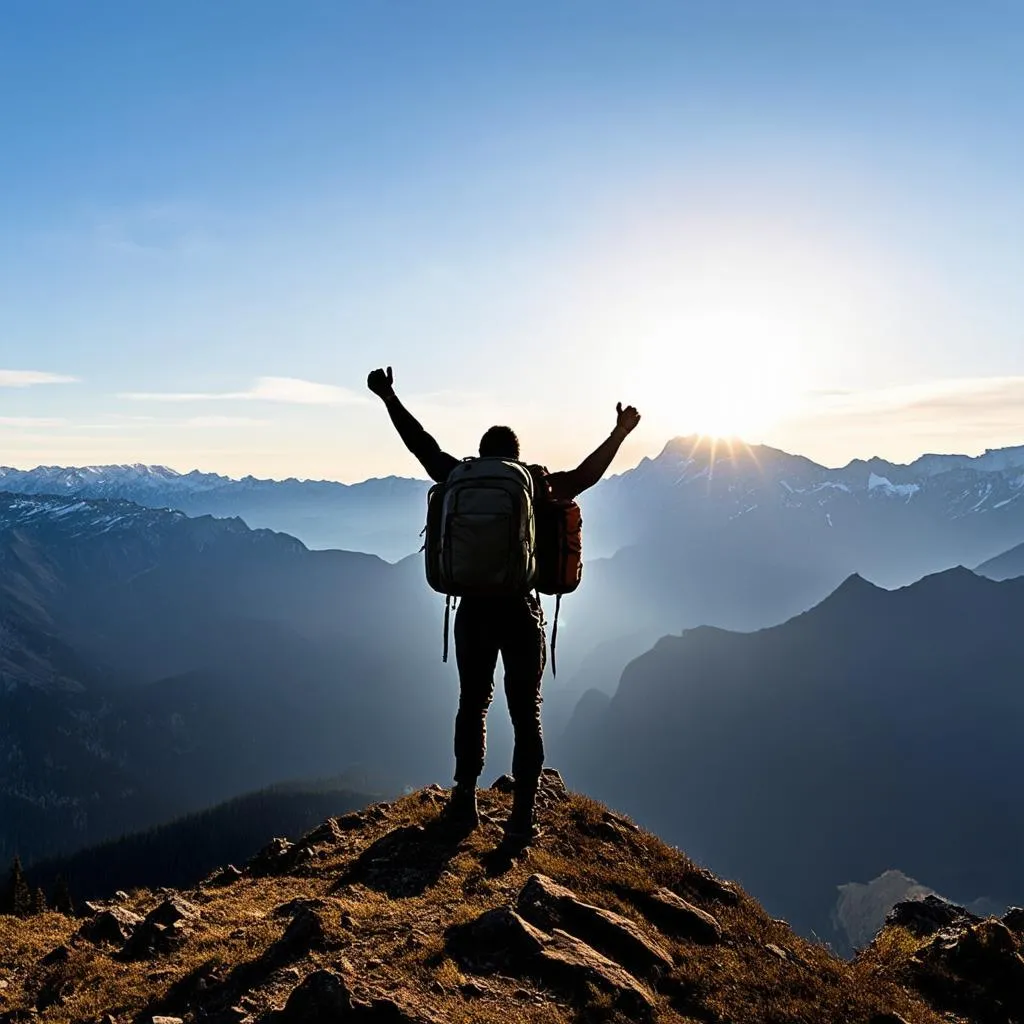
<point>879,730</point>
<point>152,664</point>
<point>1007,566</point>
<point>188,848</point>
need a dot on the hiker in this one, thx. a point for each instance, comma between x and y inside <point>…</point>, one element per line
<point>511,624</point>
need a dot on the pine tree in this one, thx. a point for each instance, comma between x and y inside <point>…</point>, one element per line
<point>39,904</point>
<point>62,901</point>
<point>17,897</point>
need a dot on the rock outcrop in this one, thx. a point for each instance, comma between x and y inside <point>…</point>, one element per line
<point>391,916</point>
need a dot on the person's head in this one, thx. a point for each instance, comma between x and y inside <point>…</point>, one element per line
<point>499,442</point>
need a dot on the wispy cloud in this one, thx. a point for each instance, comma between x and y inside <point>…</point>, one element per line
<point>965,414</point>
<point>218,422</point>
<point>30,378</point>
<point>30,421</point>
<point>957,398</point>
<point>290,390</point>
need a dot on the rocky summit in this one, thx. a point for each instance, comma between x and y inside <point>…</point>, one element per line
<point>391,915</point>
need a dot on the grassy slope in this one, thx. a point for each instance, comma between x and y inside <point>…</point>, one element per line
<point>394,941</point>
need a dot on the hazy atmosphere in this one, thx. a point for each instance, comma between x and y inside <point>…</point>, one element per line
<point>794,222</point>
<point>511,512</point>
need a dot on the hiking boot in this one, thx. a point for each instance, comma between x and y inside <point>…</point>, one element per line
<point>520,827</point>
<point>461,809</point>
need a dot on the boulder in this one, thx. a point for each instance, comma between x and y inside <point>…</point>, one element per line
<point>1014,920</point>
<point>925,917</point>
<point>552,785</point>
<point>498,938</point>
<point>305,932</point>
<point>709,886</point>
<point>550,906</point>
<point>501,939</point>
<point>226,875</point>
<point>571,963</point>
<point>274,858</point>
<point>171,911</point>
<point>115,925</point>
<point>677,917</point>
<point>976,970</point>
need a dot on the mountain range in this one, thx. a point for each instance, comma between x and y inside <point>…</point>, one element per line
<point>382,516</point>
<point>879,730</point>
<point>152,664</point>
<point>707,532</point>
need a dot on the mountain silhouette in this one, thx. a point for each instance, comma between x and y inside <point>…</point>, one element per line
<point>878,730</point>
<point>155,664</point>
<point>1007,566</point>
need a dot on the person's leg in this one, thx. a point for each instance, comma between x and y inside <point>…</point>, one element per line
<point>524,652</point>
<point>476,652</point>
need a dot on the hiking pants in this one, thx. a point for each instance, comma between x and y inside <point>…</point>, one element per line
<point>513,626</point>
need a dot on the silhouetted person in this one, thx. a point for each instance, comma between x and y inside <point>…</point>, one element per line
<point>512,625</point>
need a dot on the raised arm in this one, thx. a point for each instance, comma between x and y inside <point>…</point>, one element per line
<point>437,463</point>
<point>574,481</point>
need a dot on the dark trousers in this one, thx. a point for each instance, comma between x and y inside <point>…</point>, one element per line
<point>513,627</point>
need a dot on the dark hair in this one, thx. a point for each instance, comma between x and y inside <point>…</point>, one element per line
<point>500,442</point>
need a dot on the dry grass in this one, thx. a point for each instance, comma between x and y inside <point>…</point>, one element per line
<point>395,944</point>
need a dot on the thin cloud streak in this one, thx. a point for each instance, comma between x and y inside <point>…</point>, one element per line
<point>288,390</point>
<point>966,415</point>
<point>31,378</point>
<point>30,421</point>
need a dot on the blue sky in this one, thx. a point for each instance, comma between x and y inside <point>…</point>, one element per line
<point>800,222</point>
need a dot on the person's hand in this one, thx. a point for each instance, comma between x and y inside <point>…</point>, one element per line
<point>627,419</point>
<point>381,382</point>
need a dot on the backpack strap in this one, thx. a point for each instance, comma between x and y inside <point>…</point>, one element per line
<point>554,636</point>
<point>447,617</point>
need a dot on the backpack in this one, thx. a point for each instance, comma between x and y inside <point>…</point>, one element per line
<point>480,530</point>
<point>492,528</point>
<point>559,554</point>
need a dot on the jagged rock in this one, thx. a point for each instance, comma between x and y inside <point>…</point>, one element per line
<point>503,939</point>
<point>171,911</point>
<point>115,925</point>
<point>323,998</point>
<point>673,914</point>
<point>163,930</point>
<point>928,916</point>
<point>503,784</point>
<point>58,955</point>
<point>497,938</point>
<point>167,1020</point>
<point>976,970</point>
<point>776,950</point>
<point>328,832</point>
<point>273,859</point>
<point>305,932</point>
<point>569,961</point>
<point>351,821</point>
<point>553,785</point>
<point>710,887</point>
<point>550,906</point>
<point>153,939</point>
<point>1014,920</point>
<point>227,875</point>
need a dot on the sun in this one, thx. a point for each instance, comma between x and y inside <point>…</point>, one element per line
<point>725,376</point>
